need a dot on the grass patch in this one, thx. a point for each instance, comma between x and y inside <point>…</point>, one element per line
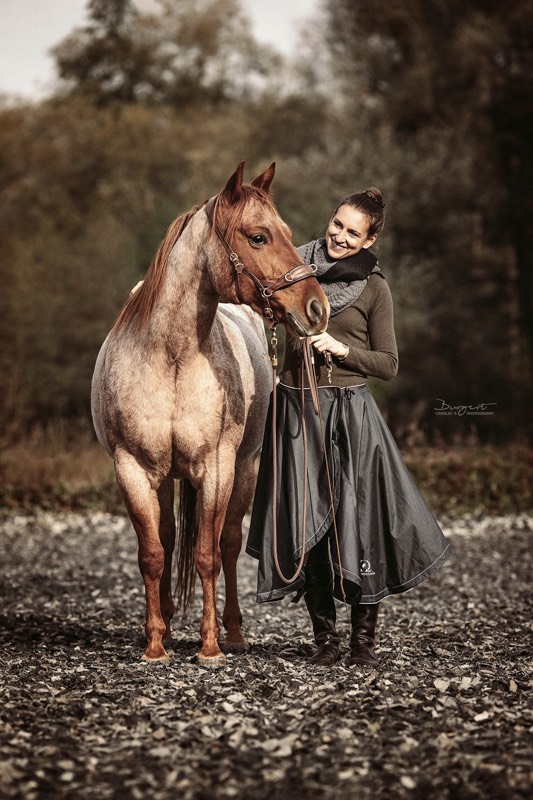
<point>48,473</point>
<point>53,472</point>
<point>480,480</point>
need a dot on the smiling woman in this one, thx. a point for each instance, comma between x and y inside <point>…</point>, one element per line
<point>355,225</point>
<point>366,531</point>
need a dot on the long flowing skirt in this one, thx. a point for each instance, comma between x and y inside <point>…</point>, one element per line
<point>383,538</point>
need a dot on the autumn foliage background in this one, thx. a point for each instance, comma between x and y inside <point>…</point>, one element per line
<point>429,101</point>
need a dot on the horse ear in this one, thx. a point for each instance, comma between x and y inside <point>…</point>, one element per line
<point>234,185</point>
<point>263,181</point>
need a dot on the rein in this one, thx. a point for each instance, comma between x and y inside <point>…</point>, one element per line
<point>265,288</point>
<point>307,368</point>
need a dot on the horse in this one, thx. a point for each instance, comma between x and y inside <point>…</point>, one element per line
<point>180,393</point>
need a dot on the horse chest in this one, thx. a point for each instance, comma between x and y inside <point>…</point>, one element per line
<point>206,410</point>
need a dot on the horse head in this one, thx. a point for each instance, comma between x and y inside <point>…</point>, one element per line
<point>266,271</point>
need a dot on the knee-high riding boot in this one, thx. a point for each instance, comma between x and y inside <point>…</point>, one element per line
<point>321,606</point>
<point>364,620</point>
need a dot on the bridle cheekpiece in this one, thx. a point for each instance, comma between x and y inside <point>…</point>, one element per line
<point>265,288</point>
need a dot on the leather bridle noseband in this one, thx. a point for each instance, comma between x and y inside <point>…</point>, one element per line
<point>265,288</point>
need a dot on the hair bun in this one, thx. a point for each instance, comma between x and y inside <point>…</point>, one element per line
<point>374,194</point>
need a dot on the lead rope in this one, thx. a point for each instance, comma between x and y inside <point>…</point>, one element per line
<point>307,366</point>
<point>330,482</point>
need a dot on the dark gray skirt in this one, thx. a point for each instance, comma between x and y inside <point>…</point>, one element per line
<point>388,539</point>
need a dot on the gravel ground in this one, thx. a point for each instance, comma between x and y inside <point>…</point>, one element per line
<point>82,717</point>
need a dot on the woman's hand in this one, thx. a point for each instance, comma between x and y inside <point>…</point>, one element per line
<point>136,287</point>
<point>323,342</point>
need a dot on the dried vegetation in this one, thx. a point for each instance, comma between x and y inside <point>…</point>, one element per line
<point>83,718</point>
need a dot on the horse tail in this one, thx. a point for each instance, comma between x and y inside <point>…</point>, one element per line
<point>187,529</point>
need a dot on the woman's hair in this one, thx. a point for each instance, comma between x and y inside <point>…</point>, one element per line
<point>370,203</point>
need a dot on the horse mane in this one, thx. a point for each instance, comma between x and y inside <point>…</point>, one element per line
<point>138,307</point>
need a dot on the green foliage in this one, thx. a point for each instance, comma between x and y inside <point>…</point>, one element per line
<point>190,53</point>
<point>80,197</point>
<point>59,468</point>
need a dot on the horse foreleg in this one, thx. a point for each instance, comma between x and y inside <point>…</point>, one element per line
<point>167,536</point>
<point>231,543</point>
<point>143,507</point>
<point>213,501</point>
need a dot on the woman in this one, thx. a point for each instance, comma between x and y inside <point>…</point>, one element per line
<point>364,528</point>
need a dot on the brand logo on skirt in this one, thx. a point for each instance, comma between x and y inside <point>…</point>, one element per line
<point>366,568</point>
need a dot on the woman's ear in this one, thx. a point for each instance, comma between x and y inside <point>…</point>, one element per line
<point>369,242</point>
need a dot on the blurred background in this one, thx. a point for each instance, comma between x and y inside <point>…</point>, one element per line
<point>147,110</point>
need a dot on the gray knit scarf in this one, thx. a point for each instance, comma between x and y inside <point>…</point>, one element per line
<point>342,281</point>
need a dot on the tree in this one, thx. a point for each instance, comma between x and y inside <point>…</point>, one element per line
<point>81,204</point>
<point>445,84</point>
<point>190,52</point>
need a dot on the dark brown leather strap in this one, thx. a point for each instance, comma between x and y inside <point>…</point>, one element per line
<point>306,368</point>
<point>298,273</point>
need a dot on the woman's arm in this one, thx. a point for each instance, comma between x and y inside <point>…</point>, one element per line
<point>381,360</point>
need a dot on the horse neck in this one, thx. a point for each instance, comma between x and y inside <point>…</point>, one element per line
<point>183,316</point>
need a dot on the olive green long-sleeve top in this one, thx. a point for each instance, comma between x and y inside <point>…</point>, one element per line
<point>367,328</point>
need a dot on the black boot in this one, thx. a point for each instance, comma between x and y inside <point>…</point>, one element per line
<point>321,606</point>
<point>364,619</point>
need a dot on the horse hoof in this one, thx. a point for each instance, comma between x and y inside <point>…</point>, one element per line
<point>236,647</point>
<point>212,662</point>
<point>160,655</point>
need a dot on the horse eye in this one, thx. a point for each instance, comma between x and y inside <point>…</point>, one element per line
<point>258,239</point>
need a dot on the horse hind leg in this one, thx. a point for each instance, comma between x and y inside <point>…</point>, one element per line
<point>142,503</point>
<point>231,543</point>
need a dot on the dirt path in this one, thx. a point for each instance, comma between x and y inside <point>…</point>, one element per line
<point>448,714</point>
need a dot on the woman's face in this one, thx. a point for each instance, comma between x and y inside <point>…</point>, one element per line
<point>347,233</point>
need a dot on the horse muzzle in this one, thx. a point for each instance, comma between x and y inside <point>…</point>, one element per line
<point>315,319</point>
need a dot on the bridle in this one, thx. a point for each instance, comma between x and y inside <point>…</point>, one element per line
<point>265,288</point>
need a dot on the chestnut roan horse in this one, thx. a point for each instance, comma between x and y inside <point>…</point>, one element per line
<point>180,391</point>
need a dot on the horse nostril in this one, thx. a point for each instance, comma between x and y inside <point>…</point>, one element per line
<point>314,310</point>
